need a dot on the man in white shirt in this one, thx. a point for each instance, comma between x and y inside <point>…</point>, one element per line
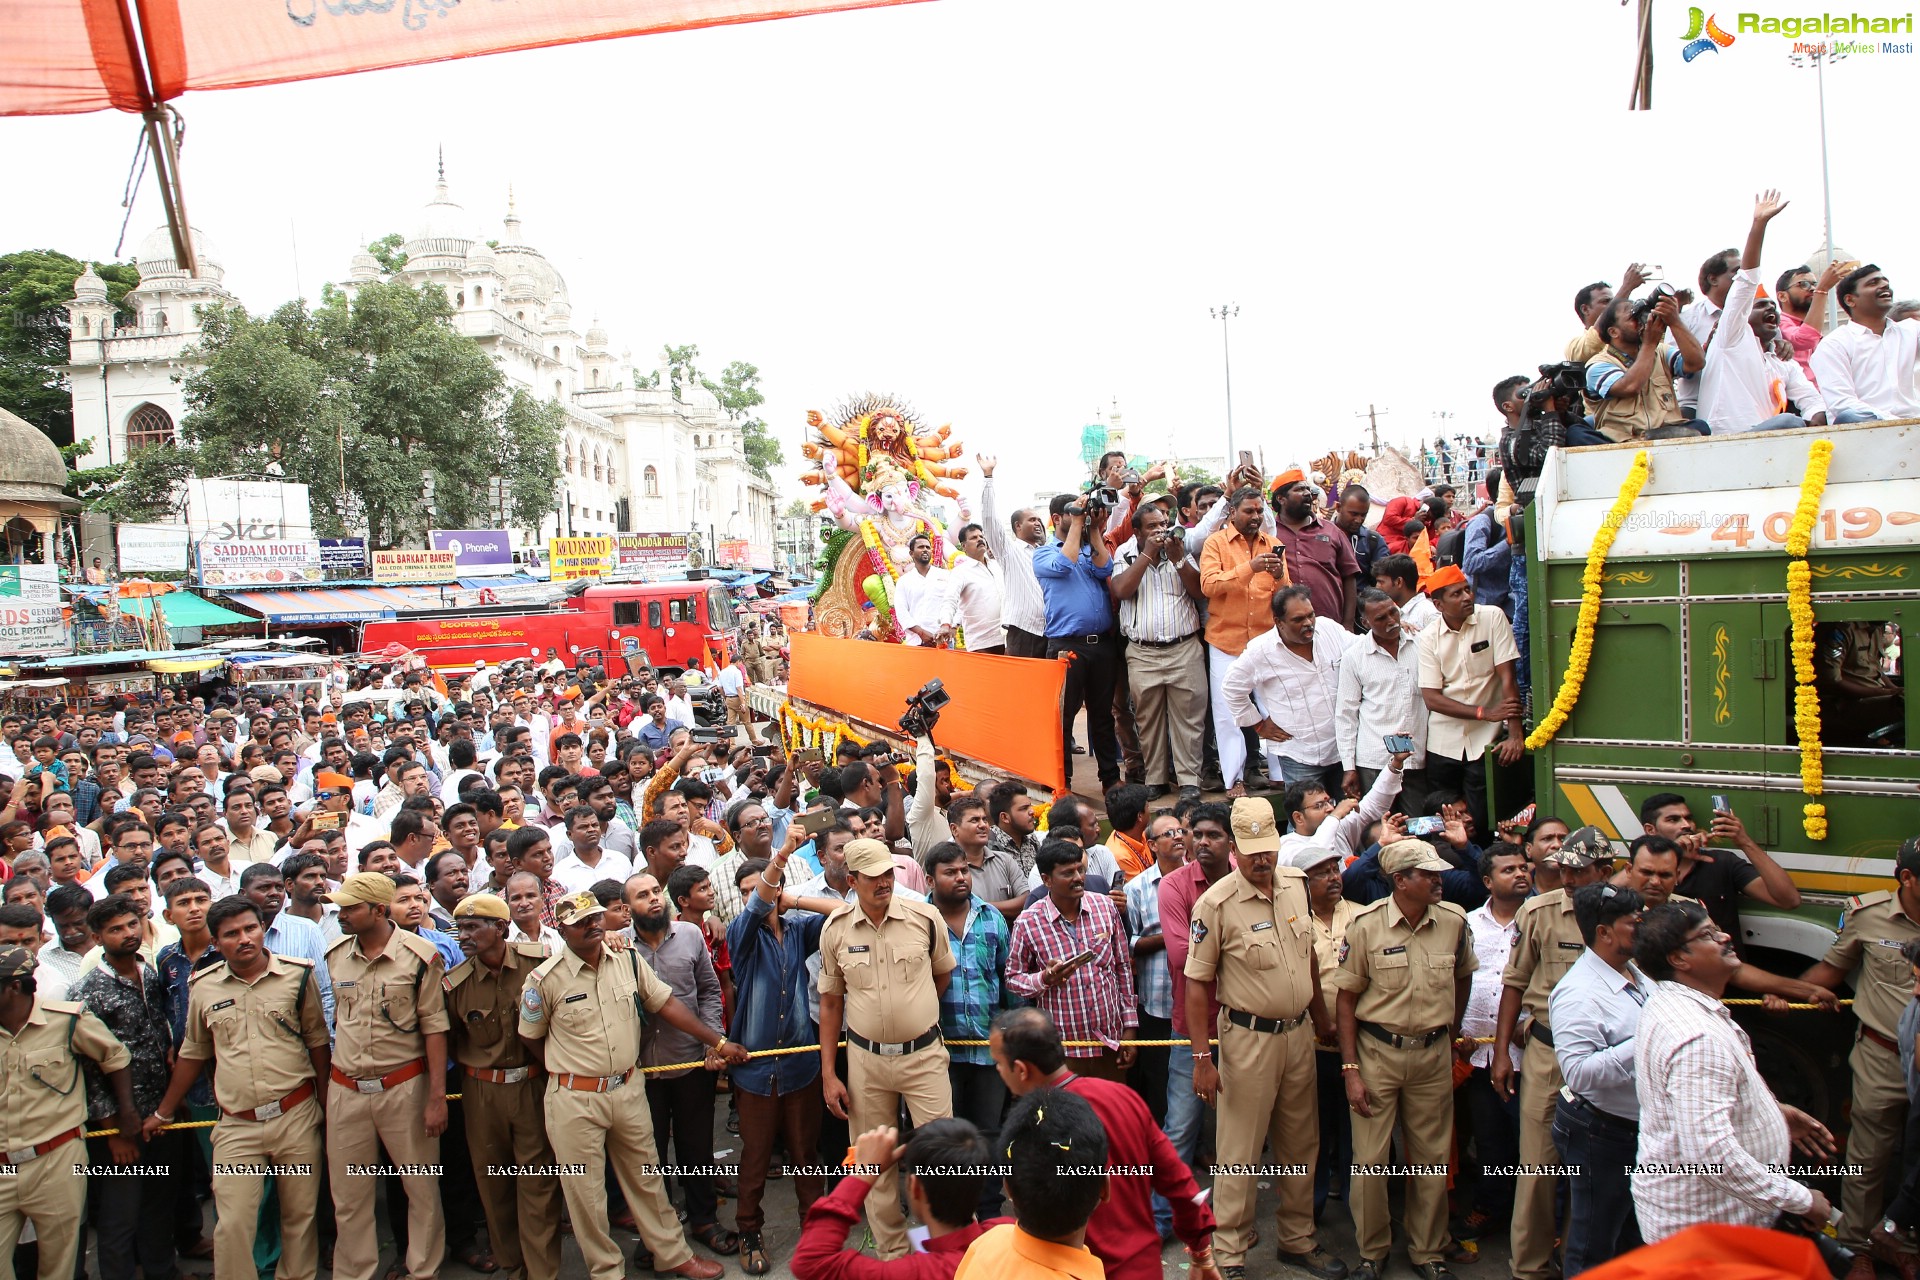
<point>1745,386</point>
<point>1156,584</point>
<point>1024,608</point>
<point>1399,577</point>
<point>586,862</point>
<point>1293,671</point>
<point>921,604</point>
<point>1378,695</point>
<point>217,865</point>
<point>976,598</point>
<point>1701,315</point>
<point>1714,1142</point>
<point>1865,368</point>
<point>679,705</point>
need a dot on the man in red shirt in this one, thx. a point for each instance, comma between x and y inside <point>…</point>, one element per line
<point>1319,556</point>
<point>1210,828</point>
<point>1026,1049</point>
<point>943,1200</point>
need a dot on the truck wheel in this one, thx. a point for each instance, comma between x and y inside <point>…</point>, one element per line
<point>1803,1058</point>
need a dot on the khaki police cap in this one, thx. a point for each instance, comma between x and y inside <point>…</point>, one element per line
<point>362,886</point>
<point>1411,855</point>
<point>483,906</point>
<point>1254,827</point>
<point>868,857</point>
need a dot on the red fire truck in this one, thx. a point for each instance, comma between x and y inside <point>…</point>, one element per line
<point>672,626</point>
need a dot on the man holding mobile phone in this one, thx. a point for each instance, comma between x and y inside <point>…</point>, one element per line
<point>1071,957</point>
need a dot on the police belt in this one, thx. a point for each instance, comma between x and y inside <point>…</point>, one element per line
<point>1868,1033</point>
<point>496,1075</point>
<point>1253,1022</point>
<point>39,1149</point>
<point>1538,1030</point>
<point>930,1036</point>
<point>380,1084</point>
<point>274,1110</point>
<point>1419,1040</point>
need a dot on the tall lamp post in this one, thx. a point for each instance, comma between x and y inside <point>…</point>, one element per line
<point>1224,313</point>
<point>1818,57</point>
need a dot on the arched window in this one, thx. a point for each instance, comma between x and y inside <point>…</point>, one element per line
<point>160,320</point>
<point>651,480</point>
<point>557,392</point>
<point>149,425</point>
<point>596,377</point>
<point>460,299</point>
<point>86,327</point>
<point>479,295</point>
<point>556,353</point>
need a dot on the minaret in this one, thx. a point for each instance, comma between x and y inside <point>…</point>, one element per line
<point>90,318</point>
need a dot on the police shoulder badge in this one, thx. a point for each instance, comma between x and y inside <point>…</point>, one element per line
<point>532,1007</point>
<point>1199,930</point>
<point>1343,951</point>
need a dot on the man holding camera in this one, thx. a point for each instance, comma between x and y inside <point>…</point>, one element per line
<point>1073,570</point>
<point>1632,380</point>
<point>1157,590</point>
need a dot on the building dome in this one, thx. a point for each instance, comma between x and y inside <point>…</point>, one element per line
<point>89,287</point>
<point>596,337</point>
<point>480,257</point>
<point>365,266</point>
<point>155,256</point>
<point>543,282</point>
<point>443,229</point>
<point>31,468</point>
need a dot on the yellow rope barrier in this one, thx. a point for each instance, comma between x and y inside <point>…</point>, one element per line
<point>962,1044</point>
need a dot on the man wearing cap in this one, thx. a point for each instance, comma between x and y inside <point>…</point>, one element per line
<point>884,964</point>
<point>581,1015</point>
<point>265,1084</point>
<point>389,1059</point>
<point>1467,680</point>
<point>506,1130</point>
<point>1405,971</point>
<point>42,1112</point>
<point>1319,555</point>
<point>1547,943</point>
<point>1251,939</point>
<point>1332,912</point>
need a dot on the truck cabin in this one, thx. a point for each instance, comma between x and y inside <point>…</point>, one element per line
<point>676,623</point>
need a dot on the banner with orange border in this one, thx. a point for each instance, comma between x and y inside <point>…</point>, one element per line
<point>1005,712</point>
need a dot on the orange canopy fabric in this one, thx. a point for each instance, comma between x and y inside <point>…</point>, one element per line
<point>59,56</point>
<point>1005,711</point>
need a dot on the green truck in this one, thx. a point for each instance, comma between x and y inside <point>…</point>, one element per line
<point>1690,687</point>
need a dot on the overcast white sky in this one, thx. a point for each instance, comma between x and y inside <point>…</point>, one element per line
<point>1014,213</point>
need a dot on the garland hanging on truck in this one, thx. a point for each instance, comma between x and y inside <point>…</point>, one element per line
<point>1806,699</point>
<point>1591,581</point>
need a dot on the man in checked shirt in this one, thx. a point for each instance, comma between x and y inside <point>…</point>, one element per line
<point>1071,958</point>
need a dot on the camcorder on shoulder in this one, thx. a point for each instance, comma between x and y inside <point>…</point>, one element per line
<point>924,708</point>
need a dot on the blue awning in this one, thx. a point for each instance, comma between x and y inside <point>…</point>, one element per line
<point>751,580</point>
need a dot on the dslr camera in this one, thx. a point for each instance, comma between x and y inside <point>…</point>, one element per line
<point>1554,403</point>
<point>924,708</point>
<point>1098,500</point>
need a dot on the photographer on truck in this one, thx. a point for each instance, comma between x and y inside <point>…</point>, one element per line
<point>1632,379</point>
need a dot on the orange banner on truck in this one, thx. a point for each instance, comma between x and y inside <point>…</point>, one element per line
<point>1005,712</point>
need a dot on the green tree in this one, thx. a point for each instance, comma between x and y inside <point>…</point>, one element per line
<point>738,392</point>
<point>681,373</point>
<point>392,419</point>
<point>386,252</point>
<point>35,287</point>
<point>1189,474</point>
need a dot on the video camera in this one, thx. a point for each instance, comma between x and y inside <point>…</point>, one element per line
<point>1099,499</point>
<point>924,708</point>
<point>1554,403</point>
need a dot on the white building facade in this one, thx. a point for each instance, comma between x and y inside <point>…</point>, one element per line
<point>632,459</point>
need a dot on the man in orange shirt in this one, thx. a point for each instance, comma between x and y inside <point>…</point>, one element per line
<point>1057,1153</point>
<point>1241,566</point>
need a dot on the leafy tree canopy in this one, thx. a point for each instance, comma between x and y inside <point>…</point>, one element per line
<point>35,287</point>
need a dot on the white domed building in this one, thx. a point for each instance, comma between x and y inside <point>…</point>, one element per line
<point>125,378</point>
<point>632,459</point>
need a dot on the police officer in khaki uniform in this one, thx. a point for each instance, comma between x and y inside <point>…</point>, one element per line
<point>500,1091</point>
<point>1867,953</point>
<point>884,964</point>
<point>1405,971</point>
<point>581,1014</point>
<point>388,1078</point>
<point>1547,943</point>
<point>1252,941</point>
<point>259,1019</point>
<point>43,1109</point>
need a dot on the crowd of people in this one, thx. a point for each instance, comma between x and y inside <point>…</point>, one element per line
<point>564,899</point>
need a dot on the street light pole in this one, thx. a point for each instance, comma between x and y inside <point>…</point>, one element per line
<point>1224,313</point>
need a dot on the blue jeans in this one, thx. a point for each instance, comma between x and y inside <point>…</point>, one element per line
<point>1779,422</point>
<point>1846,416</point>
<point>1184,1115</point>
<point>1600,1221</point>
<point>1517,592</point>
<point>1327,775</point>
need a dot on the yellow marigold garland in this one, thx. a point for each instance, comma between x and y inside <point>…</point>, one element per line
<point>1806,700</point>
<point>1591,582</point>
